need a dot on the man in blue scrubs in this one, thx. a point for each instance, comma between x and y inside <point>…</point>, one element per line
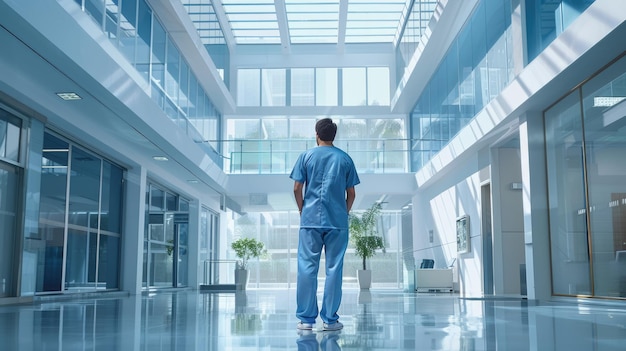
<point>328,177</point>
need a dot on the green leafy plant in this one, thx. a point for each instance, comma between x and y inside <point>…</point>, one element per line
<point>245,249</point>
<point>363,233</point>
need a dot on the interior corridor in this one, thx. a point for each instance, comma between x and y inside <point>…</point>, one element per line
<point>265,320</point>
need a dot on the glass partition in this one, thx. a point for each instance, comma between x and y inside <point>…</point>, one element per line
<point>272,144</point>
<point>567,203</point>
<point>78,248</point>
<point>166,240</point>
<point>10,183</point>
<point>585,143</point>
<point>604,106</point>
<point>278,230</point>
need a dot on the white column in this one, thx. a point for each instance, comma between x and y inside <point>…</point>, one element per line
<point>193,244</point>
<point>134,227</point>
<point>535,202</point>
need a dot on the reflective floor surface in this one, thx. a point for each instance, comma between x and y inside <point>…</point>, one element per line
<point>265,320</point>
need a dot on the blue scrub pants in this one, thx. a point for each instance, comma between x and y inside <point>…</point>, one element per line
<point>311,241</point>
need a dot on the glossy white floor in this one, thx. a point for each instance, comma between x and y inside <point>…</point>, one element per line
<point>265,320</point>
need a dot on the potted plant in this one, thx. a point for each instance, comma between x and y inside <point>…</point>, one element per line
<point>364,236</point>
<point>245,249</point>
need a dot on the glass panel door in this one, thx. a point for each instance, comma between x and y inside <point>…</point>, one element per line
<point>9,177</point>
<point>83,220</point>
<point>181,261</point>
<point>52,213</point>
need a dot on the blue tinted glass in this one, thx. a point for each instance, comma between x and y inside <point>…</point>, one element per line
<point>546,19</point>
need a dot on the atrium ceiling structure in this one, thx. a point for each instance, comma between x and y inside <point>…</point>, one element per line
<point>288,22</point>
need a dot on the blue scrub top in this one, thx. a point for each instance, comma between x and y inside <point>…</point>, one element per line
<point>326,172</point>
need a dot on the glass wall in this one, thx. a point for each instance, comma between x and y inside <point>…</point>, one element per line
<point>359,86</point>
<point>166,239</point>
<point>80,224</point>
<point>272,144</point>
<point>278,230</point>
<point>209,247</point>
<point>415,26</point>
<point>10,183</point>
<point>585,143</point>
<point>139,35</point>
<point>547,19</point>
<point>476,68</point>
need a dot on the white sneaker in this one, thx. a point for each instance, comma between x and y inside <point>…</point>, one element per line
<point>304,326</point>
<point>332,327</point>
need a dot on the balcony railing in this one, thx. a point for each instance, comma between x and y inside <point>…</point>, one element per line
<point>263,156</point>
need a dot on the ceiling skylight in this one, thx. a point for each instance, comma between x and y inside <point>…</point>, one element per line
<point>289,22</point>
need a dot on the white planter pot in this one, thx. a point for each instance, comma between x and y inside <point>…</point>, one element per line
<point>241,279</point>
<point>365,278</point>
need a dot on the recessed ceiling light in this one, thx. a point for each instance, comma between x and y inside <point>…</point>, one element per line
<point>192,181</point>
<point>69,96</point>
<point>160,158</point>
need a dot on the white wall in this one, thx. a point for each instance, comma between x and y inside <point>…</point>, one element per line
<point>508,221</point>
<point>438,212</point>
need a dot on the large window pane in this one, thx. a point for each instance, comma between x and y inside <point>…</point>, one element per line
<point>8,223</point>
<point>52,212</point>
<point>144,25</point>
<point>273,87</point>
<point>378,86</point>
<point>128,30</point>
<point>248,87</point>
<point>566,198</point>
<point>354,86</point>
<point>81,256</point>
<point>109,262</point>
<point>278,230</point>
<point>88,215</point>
<point>546,19</point>
<point>83,218</point>
<point>112,192</point>
<point>161,270</point>
<point>10,132</point>
<point>302,87</point>
<point>326,88</point>
<point>172,72</point>
<point>604,105</point>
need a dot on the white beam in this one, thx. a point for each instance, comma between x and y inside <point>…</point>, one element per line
<point>343,18</point>
<point>224,24</point>
<point>283,25</point>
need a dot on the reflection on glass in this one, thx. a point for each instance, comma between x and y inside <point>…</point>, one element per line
<point>566,197</point>
<point>604,106</point>
<point>108,262</point>
<point>85,255</point>
<point>473,72</point>
<point>8,234</point>
<point>52,212</point>
<point>161,270</point>
<point>546,19</point>
<point>157,197</point>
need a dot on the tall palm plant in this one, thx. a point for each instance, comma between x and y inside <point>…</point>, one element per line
<point>363,233</point>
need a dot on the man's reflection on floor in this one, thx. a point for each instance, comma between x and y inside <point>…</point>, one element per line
<point>324,341</point>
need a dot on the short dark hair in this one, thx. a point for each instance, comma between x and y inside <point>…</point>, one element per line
<point>326,129</point>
